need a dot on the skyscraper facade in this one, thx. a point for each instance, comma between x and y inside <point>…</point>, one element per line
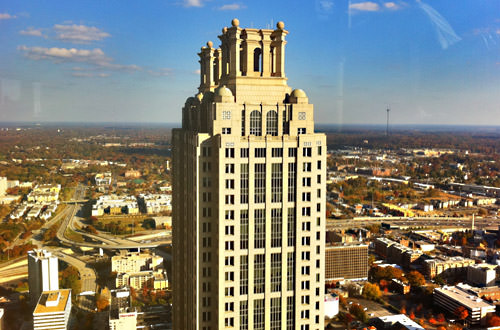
<point>43,273</point>
<point>248,193</point>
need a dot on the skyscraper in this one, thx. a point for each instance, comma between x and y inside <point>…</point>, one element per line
<point>42,273</point>
<point>248,193</point>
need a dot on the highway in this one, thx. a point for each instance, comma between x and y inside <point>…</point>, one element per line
<point>428,222</point>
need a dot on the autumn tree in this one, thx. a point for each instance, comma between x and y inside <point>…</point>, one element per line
<point>415,278</point>
<point>461,313</point>
<point>102,303</point>
<point>493,321</point>
<point>371,291</point>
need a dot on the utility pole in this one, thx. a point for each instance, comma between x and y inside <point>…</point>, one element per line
<point>387,128</point>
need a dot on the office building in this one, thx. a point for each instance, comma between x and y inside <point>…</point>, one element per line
<point>452,297</point>
<point>454,267</point>
<point>248,193</point>
<point>43,274</point>
<point>482,274</point>
<point>398,321</point>
<point>348,261</point>
<point>52,310</point>
<point>121,315</point>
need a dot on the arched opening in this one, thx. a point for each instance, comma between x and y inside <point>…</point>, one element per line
<point>272,60</point>
<point>256,123</point>
<point>272,123</point>
<point>256,59</point>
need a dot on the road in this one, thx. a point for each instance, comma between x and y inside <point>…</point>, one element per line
<point>433,222</point>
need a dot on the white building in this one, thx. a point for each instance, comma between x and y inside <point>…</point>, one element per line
<point>42,273</point>
<point>452,297</point>
<point>398,321</point>
<point>3,185</point>
<point>331,305</point>
<point>52,310</point>
<point>249,193</point>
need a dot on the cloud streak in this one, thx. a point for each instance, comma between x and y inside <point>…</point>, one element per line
<point>7,16</point>
<point>232,6</point>
<point>445,33</point>
<point>32,32</point>
<point>193,3</point>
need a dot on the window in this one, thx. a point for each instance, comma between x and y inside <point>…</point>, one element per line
<point>242,122</point>
<point>305,255</point>
<point>318,207</point>
<point>229,152</point>
<point>229,292</point>
<point>244,183</point>
<point>292,152</point>
<point>302,115</point>
<point>318,193</point>
<point>207,212</point>
<point>229,214</point>
<point>304,315</point>
<point>229,261</point>
<point>276,227</point>
<point>207,182</point>
<point>226,130</point>
<point>319,164</point>
<point>244,229</point>
<point>229,276</point>
<point>277,152</point>
<point>229,230</point>
<point>244,152</point>
<point>260,228</point>
<point>306,196</point>
<point>260,152</point>
<point>306,241</point>
<point>258,316</point>
<point>230,168</point>
<point>272,123</point>
<point>260,183</point>
<point>229,245</point>
<point>319,150</point>
<point>276,313</point>
<point>290,271</point>
<point>306,226</point>
<point>304,300</point>
<point>229,321</point>
<point>243,274</point>
<point>275,272</point>
<point>229,199</point>
<point>229,184</point>
<point>226,115</point>
<point>292,177</point>
<point>305,285</point>
<point>259,273</point>
<point>291,226</point>
<point>256,59</point>
<point>306,211</point>
<point>290,313</point>
<point>207,167</point>
<point>206,196</point>
<point>306,182</point>
<point>307,152</point>
<point>301,130</point>
<point>256,123</point>
<point>318,178</point>
<point>243,315</point>
<point>276,183</point>
<point>307,167</point>
<point>205,151</point>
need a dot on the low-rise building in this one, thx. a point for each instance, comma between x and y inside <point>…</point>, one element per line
<point>331,305</point>
<point>103,179</point>
<point>482,274</point>
<point>52,310</point>
<point>382,245</point>
<point>400,287</point>
<point>447,266</point>
<point>399,321</point>
<point>452,297</point>
<point>121,315</point>
<point>155,203</point>
<point>138,269</point>
<point>44,193</point>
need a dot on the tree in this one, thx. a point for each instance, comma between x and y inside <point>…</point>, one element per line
<point>371,291</point>
<point>101,303</point>
<point>461,313</point>
<point>358,311</point>
<point>493,321</point>
<point>415,279</point>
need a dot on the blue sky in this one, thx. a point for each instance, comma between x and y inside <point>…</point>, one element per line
<point>431,61</point>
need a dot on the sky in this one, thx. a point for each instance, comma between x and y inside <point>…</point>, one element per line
<point>429,61</point>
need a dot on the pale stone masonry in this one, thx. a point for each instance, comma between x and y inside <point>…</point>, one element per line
<point>248,193</point>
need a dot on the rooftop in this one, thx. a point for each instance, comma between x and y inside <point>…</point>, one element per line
<point>401,319</point>
<point>52,301</point>
<point>460,294</point>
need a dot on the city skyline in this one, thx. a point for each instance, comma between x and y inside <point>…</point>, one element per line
<point>431,63</point>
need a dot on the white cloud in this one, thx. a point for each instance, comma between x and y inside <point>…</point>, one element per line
<point>365,6</point>
<point>193,3</point>
<point>7,16</point>
<point>198,71</point>
<point>90,75</point>
<point>498,31</point>
<point>391,6</point>
<point>79,33</point>
<point>32,32</point>
<point>94,57</point>
<point>232,6</point>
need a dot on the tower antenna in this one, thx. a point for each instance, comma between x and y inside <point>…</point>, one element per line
<point>387,128</point>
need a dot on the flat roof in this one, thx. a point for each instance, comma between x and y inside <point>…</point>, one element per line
<point>48,297</point>
<point>403,320</point>
<point>465,298</point>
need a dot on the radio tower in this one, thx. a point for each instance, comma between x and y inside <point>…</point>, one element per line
<point>387,128</point>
